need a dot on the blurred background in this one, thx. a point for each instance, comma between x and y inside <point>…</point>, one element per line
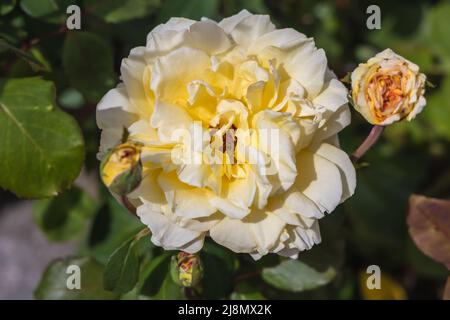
<point>368,229</point>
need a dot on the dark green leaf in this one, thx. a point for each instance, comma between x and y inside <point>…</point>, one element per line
<point>244,291</point>
<point>41,150</point>
<point>88,61</point>
<point>112,226</point>
<point>296,276</point>
<point>157,282</point>
<point>217,277</point>
<point>63,217</point>
<point>115,11</point>
<point>53,11</point>
<point>193,9</point>
<point>53,284</point>
<point>7,6</point>
<point>122,270</point>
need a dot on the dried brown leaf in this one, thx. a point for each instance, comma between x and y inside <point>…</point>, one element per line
<point>429,226</point>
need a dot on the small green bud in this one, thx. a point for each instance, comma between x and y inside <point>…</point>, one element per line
<point>186,269</point>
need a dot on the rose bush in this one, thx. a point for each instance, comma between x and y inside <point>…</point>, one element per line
<point>241,75</point>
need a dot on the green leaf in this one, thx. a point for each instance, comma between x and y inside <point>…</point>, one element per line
<point>115,11</point>
<point>63,217</point>
<point>217,277</point>
<point>296,276</point>
<point>52,11</point>
<point>42,149</point>
<point>122,270</point>
<point>193,9</point>
<point>169,290</point>
<point>157,282</point>
<point>88,62</point>
<point>7,6</point>
<point>112,226</point>
<point>53,284</point>
<point>244,291</point>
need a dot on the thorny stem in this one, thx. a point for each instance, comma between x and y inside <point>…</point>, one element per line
<point>35,41</point>
<point>371,139</point>
<point>26,45</point>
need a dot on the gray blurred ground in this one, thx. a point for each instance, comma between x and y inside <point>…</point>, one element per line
<point>24,251</point>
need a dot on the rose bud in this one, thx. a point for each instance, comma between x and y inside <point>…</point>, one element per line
<point>388,88</point>
<point>121,169</point>
<point>186,269</point>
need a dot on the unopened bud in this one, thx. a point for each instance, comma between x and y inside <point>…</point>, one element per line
<point>121,169</point>
<point>186,269</point>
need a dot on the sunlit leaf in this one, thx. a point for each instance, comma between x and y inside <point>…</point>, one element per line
<point>41,150</point>
<point>296,276</point>
<point>122,270</point>
<point>53,284</point>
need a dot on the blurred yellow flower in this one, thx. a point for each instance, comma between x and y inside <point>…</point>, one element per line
<point>388,88</point>
<point>390,289</point>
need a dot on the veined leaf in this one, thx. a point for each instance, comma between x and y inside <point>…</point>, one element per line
<point>41,149</point>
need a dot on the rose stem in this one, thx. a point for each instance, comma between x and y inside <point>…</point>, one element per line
<point>128,205</point>
<point>371,139</point>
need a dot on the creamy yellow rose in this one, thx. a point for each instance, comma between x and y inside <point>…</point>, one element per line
<point>388,88</point>
<point>227,84</point>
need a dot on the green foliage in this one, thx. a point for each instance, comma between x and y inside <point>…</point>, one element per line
<point>88,62</point>
<point>296,276</point>
<point>112,225</point>
<point>63,217</point>
<point>53,285</point>
<point>157,282</point>
<point>122,270</point>
<point>35,64</point>
<point>438,25</point>
<point>53,11</point>
<point>116,11</point>
<point>7,6</point>
<point>42,147</point>
<point>193,9</point>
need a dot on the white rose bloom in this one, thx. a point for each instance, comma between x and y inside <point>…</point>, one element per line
<point>241,74</point>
